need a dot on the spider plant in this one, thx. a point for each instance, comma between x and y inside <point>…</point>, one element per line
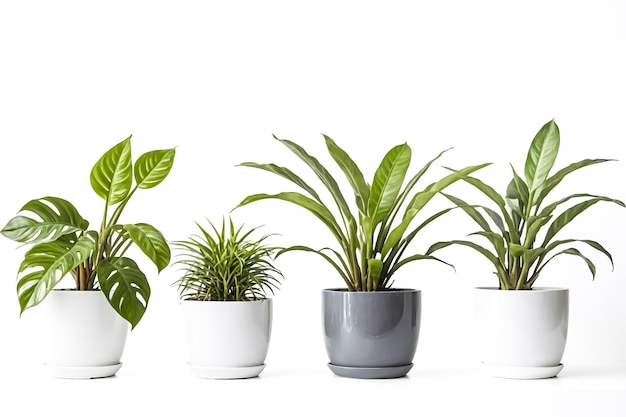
<point>226,264</point>
<point>372,238</point>
<point>63,244</point>
<point>521,238</point>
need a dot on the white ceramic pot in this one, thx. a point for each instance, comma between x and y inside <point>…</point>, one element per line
<point>84,337</point>
<point>521,334</point>
<point>227,339</point>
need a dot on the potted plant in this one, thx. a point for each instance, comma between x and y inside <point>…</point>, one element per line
<point>87,325</point>
<point>522,328</point>
<point>227,277</point>
<point>370,329</point>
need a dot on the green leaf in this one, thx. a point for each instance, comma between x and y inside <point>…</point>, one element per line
<point>554,180</point>
<point>285,173</point>
<point>388,181</point>
<point>47,264</point>
<point>495,261</point>
<point>111,177</point>
<point>323,174</point>
<point>126,288</point>
<point>319,210</point>
<point>420,200</point>
<point>374,268</point>
<point>151,242</point>
<point>576,252</point>
<point>542,155</point>
<point>152,167</point>
<point>352,173</point>
<point>417,257</point>
<point>568,215</point>
<point>343,272</point>
<point>55,217</point>
<point>498,242</point>
<point>597,246</point>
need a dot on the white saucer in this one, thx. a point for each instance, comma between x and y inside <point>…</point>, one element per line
<point>371,373</point>
<point>530,372</point>
<point>226,373</point>
<point>83,372</point>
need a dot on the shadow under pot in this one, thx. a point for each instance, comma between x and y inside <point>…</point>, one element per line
<point>521,334</point>
<point>371,335</point>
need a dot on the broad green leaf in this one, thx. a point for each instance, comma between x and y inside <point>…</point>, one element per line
<point>151,242</point>
<point>53,218</point>
<point>152,167</point>
<point>352,173</point>
<point>568,215</point>
<point>126,288</point>
<point>555,179</point>
<point>387,183</point>
<point>541,155</point>
<point>323,174</point>
<point>46,264</point>
<point>285,173</point>
<point>319,210</point>
<point>111,177</point>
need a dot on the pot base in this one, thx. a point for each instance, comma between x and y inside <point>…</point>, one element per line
<point>210,372</point>
<point>83,372</point>
<point>523,372</point>
<point>370,373</point>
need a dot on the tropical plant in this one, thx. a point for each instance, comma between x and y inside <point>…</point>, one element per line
<point>62,242</point>
<point>514,246</point>
<point>226,265</point>
<point>374,238</point>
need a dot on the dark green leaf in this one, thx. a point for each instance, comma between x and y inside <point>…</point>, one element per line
<point>387,182</point>
<point>126,288</point>
<point>285,173</point>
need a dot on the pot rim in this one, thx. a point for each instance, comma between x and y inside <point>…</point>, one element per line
<point>385,291</point>
<point>532,290</point>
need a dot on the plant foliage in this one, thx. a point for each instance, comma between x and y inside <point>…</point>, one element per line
<point>520,232</point>
<point>61,241</point>
<point>373,237</point>
<point>226,264</point>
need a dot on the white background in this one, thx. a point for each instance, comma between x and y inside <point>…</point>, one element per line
<point>217,79</point>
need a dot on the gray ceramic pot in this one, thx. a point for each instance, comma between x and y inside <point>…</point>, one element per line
<point>371,334</point>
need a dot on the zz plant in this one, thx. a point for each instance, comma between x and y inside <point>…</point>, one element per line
<point>520,229</point>
<point>374,233</point>
<point>226,264</point>
<point>62,242</point>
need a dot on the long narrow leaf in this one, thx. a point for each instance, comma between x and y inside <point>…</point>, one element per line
<point>568,215</point>
<point>285,173</point>
<point>352,172</point>
<point>387,182</point>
